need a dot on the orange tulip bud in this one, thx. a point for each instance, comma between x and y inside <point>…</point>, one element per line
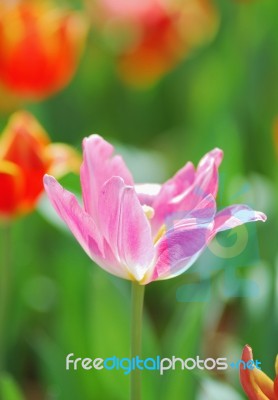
<point>26,154</point>
<point>39,47</point>
<point>256,384</point>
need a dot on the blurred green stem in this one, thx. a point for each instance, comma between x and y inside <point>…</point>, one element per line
<point>136,337</point>
<point>4,286</point>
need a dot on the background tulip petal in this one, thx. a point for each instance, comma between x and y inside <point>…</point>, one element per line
<point>276,379</point>
<point>98,166</point>
<point>276,386</point>
<point>22,123</point>
<point>26,146</point>
<point>11,188</point>
<point>256,384</point>
<point>63,159</point>
<point>40,45</point>
<point>23,144</point>
<point>157,34</point>
<point>264,383</point>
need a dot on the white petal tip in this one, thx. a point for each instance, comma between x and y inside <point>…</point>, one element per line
<point>48,180</point>
<point>261,216</point>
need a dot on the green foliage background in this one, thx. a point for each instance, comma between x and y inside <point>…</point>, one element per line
<point>226,95</point>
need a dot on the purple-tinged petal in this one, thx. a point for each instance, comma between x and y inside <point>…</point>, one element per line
<point>98,166</point>
<point>125,226</point>
<point>187,188</point>
<point>202,213</point>
<point>178,249</point>
<point>187,235</point>
<point>236,215</point>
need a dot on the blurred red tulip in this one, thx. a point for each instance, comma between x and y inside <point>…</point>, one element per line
<point>26,154</point>
<point>152,36</point>
<point>40,47</point>
<point>256,384</point>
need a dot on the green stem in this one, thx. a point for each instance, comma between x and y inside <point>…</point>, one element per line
<point>4,286</point>
<point>136,337</point>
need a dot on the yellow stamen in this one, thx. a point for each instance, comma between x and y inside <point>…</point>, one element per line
<point>160,233</point>
<point>149,211</point>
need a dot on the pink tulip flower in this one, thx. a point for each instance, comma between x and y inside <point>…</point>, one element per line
<point>144,232</point>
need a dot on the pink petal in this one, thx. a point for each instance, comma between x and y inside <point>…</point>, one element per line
<point>214,156</point>
<point>125,226</point>
<point>207,172</point>
<point>109,210</point>
<point>187,188</point>
<point>236,215</point>
<point>206,181</point>
<point>162,204</point>
<point>179,249</point>
<point>98,166</point>
<point>79,222</point>
<point>82,226</point>
<point>184,240</point>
